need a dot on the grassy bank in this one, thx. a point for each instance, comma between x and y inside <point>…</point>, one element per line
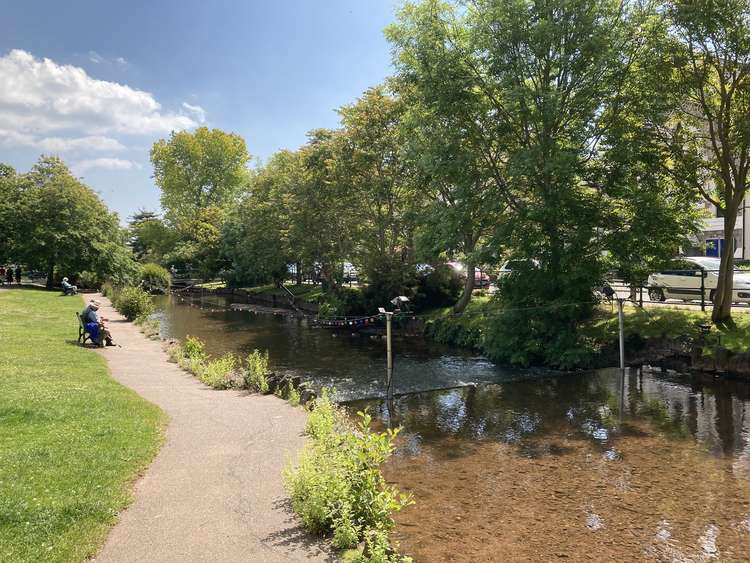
<point>468,329</point>
<point>71,439</point>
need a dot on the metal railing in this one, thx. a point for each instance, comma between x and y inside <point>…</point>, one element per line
<point>660,289</point>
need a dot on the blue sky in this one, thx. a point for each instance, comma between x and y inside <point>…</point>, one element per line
<point>120,75</point>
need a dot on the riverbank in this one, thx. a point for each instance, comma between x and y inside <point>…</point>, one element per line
<point>214,491</point>
<point>72,439</point>
<point>652,335</point>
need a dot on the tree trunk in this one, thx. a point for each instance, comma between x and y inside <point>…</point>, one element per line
<point>722,310</point>
<point>50,274</point>
<point>460,306</point>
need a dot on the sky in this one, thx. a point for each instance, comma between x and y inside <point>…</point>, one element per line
<point>97,82</point>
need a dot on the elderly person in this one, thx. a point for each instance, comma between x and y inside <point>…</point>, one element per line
<point>94,325</point>
<point>68,288</point>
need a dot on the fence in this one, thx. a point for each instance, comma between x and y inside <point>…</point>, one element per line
<point>688,287</point>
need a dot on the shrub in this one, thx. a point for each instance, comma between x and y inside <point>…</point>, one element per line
<point>437,287</point>
<point>219,373</point>
<point>256,374</point>
<point>89,280</point>
<point>155,278</point>
<point>337,488</point>
<point>133,302</point>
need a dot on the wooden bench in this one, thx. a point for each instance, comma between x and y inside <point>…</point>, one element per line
<point>83,334</point>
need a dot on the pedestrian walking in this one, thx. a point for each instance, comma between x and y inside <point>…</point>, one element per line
<point>9,274</point>
<point>18,275</point>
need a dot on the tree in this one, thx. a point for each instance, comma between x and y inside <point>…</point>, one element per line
<point>201,175</point>
<point>196,170</point>
<point>9,198</point>
<point>150,238</point>
<point>534,88</point>
<point>712,139</point>
<point>64,227</point>
<point>372,166</point>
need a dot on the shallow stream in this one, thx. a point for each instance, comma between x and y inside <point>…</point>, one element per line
<point>513,465</point>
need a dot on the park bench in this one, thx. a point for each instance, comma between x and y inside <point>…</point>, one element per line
<point>83,334</point>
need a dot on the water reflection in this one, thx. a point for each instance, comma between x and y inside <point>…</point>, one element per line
<point>353,364</point>
<point>582,406</point>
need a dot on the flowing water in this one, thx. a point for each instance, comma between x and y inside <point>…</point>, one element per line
<point>523,466</point>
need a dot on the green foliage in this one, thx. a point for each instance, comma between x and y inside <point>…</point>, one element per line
<point>73,439</point>
<point>291,394</point>
<point>133,302</point>
<point>439,287</point>
<point>60,226</point>
<point>155,277</point>
<point>218,373</point>
<point>89,280</point>
<point>256,372</point>
<point>150,237</point>
<point>338,488</point>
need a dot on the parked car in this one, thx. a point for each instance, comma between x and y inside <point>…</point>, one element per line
<point>481,278</point>
<point>681,279</point>
<point>509,265</point>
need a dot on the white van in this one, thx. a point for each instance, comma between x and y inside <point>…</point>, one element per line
<point>681,279</point>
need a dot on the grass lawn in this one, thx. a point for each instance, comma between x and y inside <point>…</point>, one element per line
<point>72,440</point>
<point>658,322</point>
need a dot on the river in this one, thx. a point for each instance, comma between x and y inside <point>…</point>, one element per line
<point>517,465</point>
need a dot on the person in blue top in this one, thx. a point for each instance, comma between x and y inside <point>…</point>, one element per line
<point>94,325</point>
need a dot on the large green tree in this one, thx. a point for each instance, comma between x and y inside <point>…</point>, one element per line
<point>201,174</point>
<point>534,87</point>
<point>373,168</point>
<point>63,227</point>
<point>711,139</point>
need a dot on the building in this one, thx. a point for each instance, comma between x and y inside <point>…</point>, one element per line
<point>711,241</point>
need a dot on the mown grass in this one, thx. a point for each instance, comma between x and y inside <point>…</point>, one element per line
<point>71,439</point>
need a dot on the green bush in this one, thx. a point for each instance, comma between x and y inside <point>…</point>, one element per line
<point>89,280</point>
<point>133,302</point>
<point>337,488</point>
<point>256,373</point>
<point>155,278</point>
<point>219,373</point>
<point>439,287</point>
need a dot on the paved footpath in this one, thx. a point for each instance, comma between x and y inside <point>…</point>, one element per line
<point>214,491</point>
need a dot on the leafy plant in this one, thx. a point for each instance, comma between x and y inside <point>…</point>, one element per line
<point>89,280</point>
<point>337,488</point>
<point>256,373</point>
<point>219,373</point>
<point>155,277</point>
<point>133,302</point>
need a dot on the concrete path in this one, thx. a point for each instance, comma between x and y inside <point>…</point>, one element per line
<point>214,491</point>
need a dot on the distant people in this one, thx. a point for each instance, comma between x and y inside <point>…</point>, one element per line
<point>18,275</point>
<point>9,274</point>
<point>2,275</point>
<point>94,325</point>
<point>68,288</point>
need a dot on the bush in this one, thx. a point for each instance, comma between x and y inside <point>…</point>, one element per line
<point>256,374</point>
<point>219,373</point>
<point>133,302</point>
<point>439,287</point>
<point>338,488</point>
<point>89,280</point>
<point>155,278</point>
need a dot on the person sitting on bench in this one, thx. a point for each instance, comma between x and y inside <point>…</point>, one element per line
<point>95,326</point>
<point>68,289</point>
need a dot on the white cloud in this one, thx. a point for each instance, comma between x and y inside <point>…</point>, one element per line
<point>198,112</point>
<point>39,97</point>
<point>56,145</point>
<point>121,61</point>
<point>104,163</point>
<point>95,57</point>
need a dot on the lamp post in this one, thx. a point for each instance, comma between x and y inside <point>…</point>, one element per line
<point>397,301</point>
